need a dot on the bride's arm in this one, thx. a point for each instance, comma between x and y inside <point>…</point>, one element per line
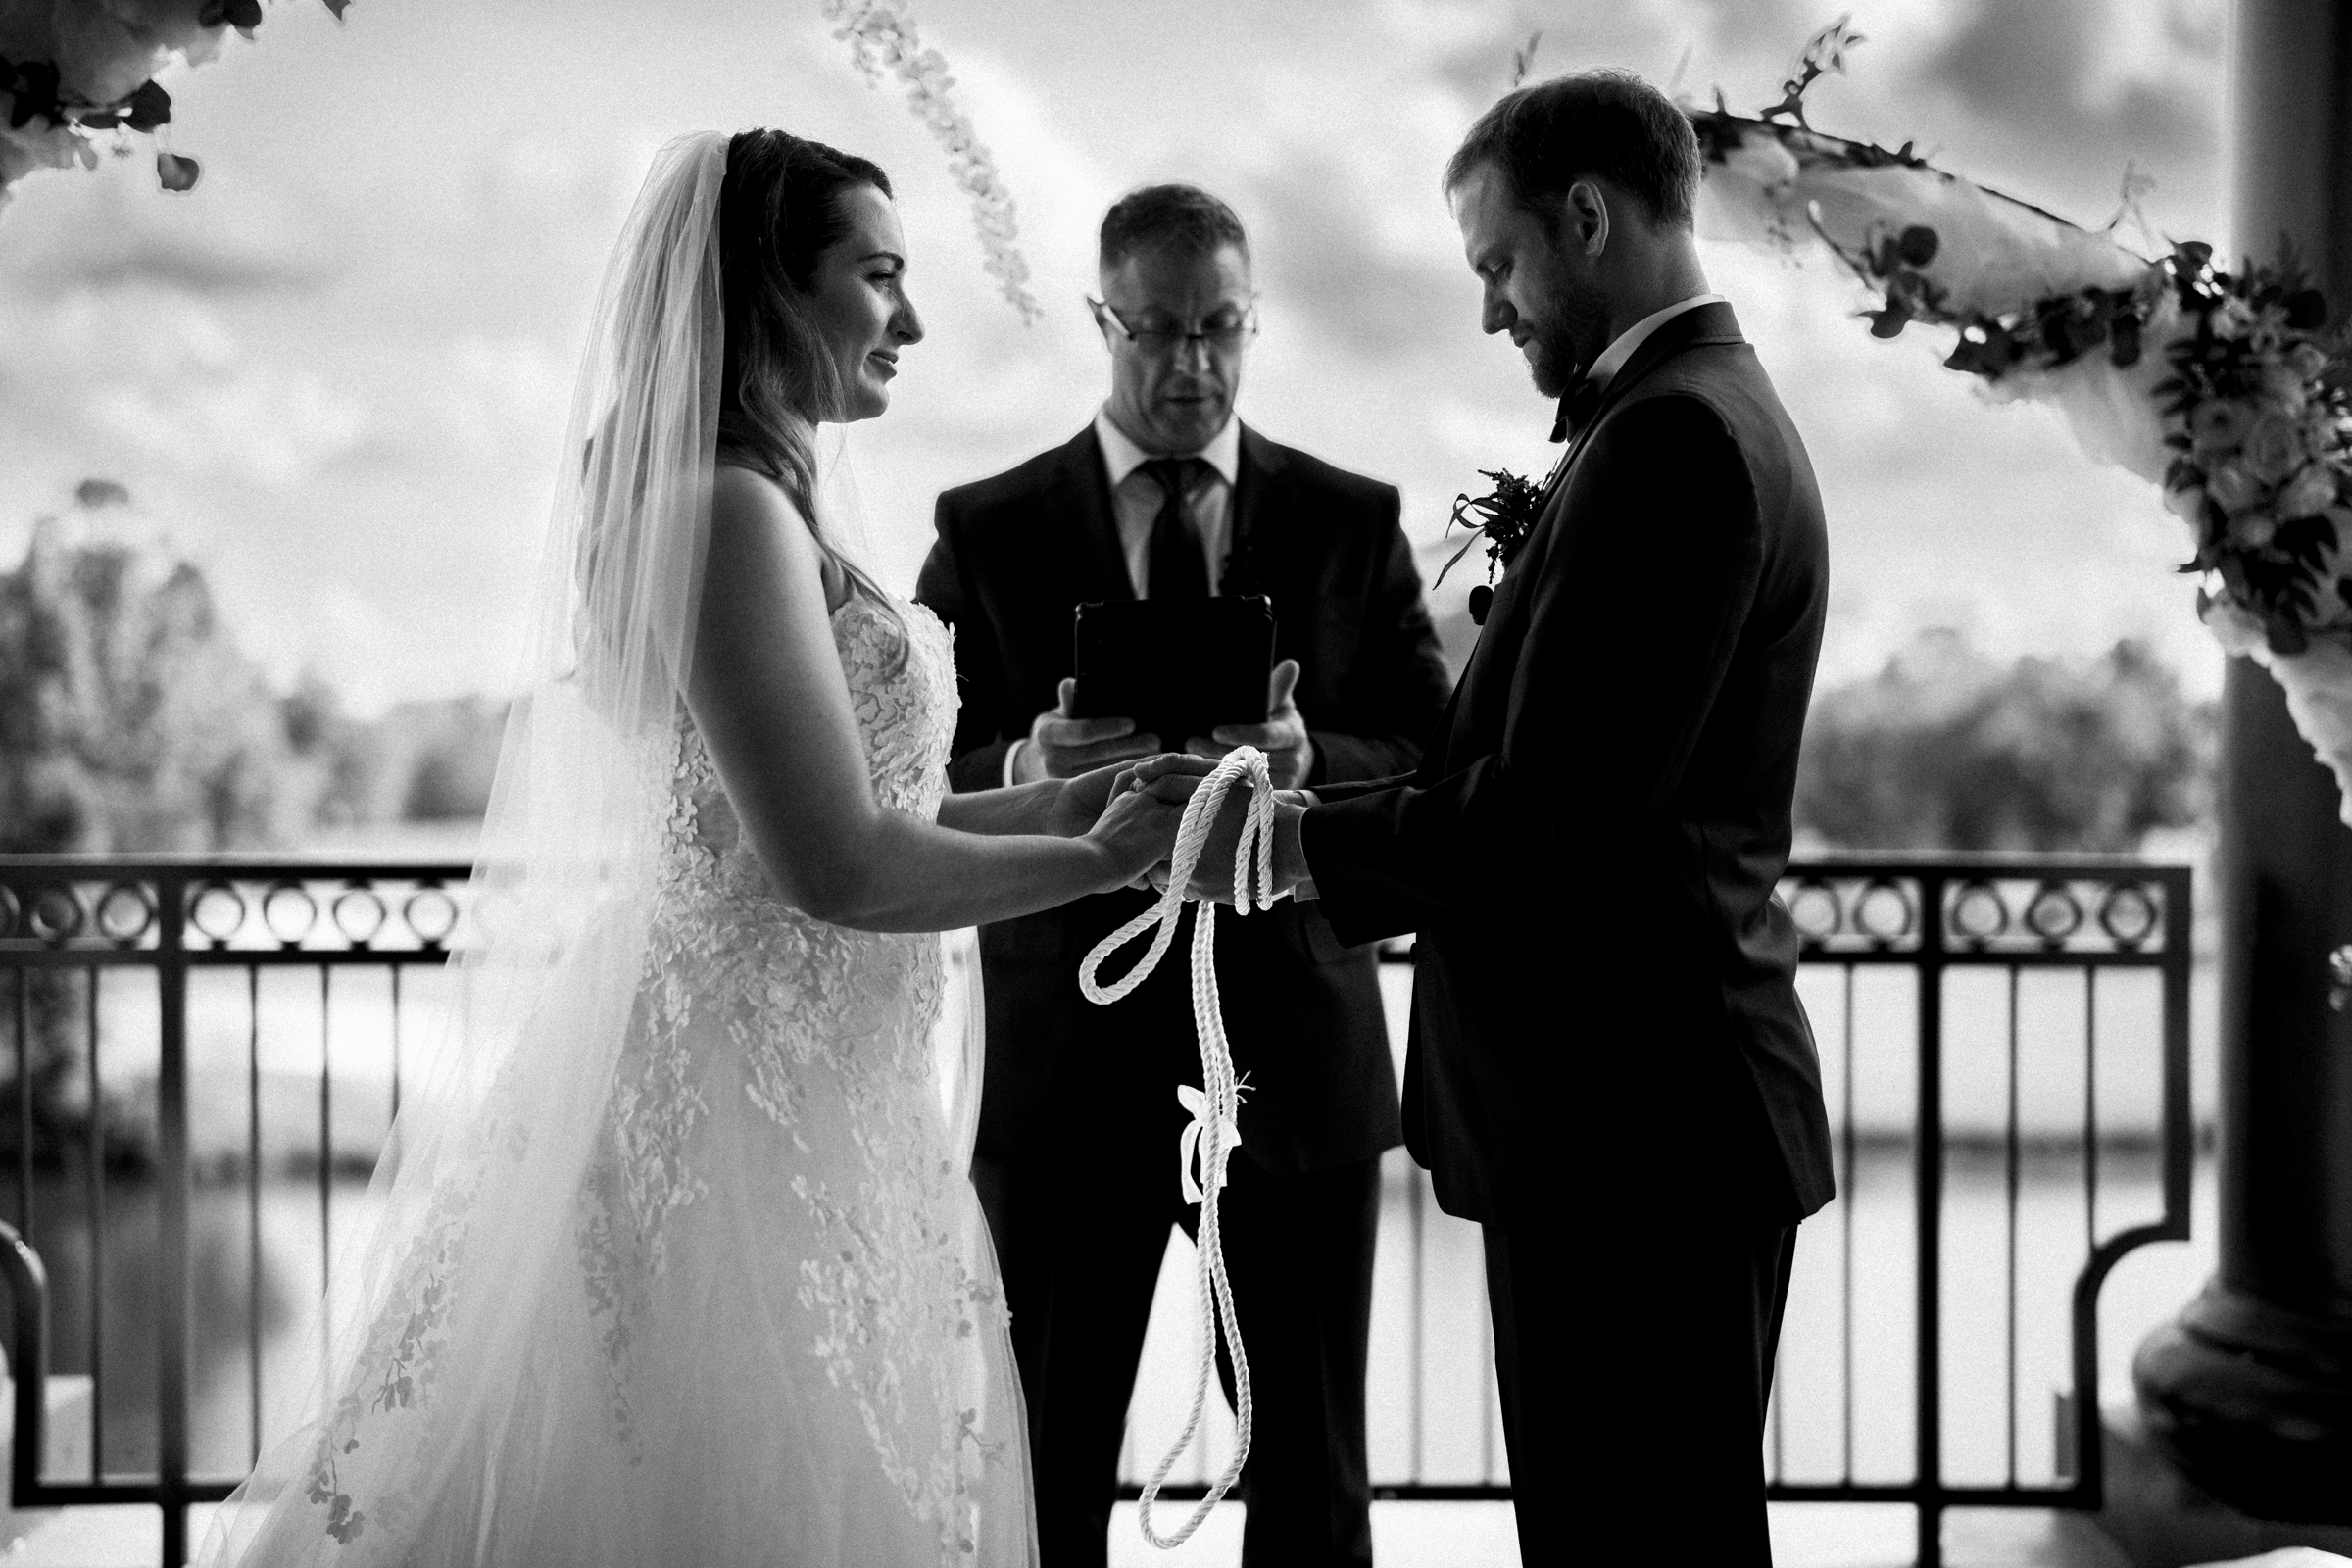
<point>1060,806</point>
<point>768,694</point>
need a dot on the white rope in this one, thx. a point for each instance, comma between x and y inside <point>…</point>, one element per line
<point>1215,1131</point>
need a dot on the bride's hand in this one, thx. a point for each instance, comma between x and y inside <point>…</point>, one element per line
<point>1081,798</point>
<point>1137,829</point>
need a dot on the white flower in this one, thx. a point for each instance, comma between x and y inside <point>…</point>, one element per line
<point>2233,318</point>
<point>2218,425</point>
<point>2284,386</point>
<point>2273,448</point>
<point>2233,626</point>
<point>2232,486</point>
<point>2309,492</point>
<point>2253,529</point>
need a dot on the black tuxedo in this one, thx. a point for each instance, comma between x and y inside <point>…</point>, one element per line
<point>1609,1064</point>
<point>1079,1117</point>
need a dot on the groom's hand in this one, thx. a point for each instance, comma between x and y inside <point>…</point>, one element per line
<point>1212,872</point>
<point>1290,751</point>
<point>1058,746</point>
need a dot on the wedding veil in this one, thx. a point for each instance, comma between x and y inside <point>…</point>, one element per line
<point>564,889</point>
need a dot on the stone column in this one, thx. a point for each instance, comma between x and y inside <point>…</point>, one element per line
<point>2249,1392</point>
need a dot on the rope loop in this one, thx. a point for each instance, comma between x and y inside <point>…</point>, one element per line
<point>1214,1133</point>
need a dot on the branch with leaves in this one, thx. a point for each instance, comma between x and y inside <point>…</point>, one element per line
<point>2219,386</point>
<point>77,78</point>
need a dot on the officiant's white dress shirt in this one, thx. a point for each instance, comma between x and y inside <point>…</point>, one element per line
<point>1136,497</point>
<point>1134,501</point>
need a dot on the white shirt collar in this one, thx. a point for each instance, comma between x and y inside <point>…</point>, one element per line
<point>1121,457</point>
<point>1612,359</point>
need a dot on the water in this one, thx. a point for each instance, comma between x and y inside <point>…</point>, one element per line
<point>256,1258</point>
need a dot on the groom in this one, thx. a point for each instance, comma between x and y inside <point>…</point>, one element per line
<point>1609,1066</point>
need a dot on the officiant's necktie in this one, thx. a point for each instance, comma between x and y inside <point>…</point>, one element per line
<point>1179,566</point>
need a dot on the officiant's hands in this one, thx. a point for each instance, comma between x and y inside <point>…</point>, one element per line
<point>1058,746</point>
<point>1290,751</point>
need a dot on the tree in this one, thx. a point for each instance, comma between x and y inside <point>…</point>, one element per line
<point>129,719</point>
<point>129,722</point>
<point>1946,750</point>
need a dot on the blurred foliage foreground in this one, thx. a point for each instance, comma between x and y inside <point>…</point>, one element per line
<point>1944,749</point>
<point>130,722</point>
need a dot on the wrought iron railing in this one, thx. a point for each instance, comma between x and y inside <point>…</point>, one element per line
<point>191,968</point>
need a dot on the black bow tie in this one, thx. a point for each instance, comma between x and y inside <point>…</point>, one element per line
<point>1577,408</point>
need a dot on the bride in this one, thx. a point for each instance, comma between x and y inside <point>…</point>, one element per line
<point>677,1258</point>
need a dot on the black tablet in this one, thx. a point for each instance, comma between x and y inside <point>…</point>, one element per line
<point>1178,668</point>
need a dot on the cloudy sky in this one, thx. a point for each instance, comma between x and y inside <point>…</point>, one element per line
<point>336,374</point>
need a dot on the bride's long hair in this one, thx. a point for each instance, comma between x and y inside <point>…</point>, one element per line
<point>779,210</point>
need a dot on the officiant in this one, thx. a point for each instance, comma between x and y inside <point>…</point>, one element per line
<point>1166,495</point>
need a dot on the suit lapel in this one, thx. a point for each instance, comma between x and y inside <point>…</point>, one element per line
<point>1089,529</point>
<point>1253,558</point>
<point>1706,323</point>
<point>1711,324</point>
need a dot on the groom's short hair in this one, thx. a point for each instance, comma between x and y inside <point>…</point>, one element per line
<point>1604,122</point>
<point>1183,218</point>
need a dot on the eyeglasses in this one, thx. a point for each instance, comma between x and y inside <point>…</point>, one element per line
<point>1223,335</point>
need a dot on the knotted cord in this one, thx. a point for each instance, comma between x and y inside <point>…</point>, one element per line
<point>1215,1132</point>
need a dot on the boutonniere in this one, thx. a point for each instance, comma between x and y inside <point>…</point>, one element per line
<point>1504,517</point>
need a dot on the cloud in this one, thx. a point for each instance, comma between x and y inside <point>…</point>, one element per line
<point>111,233</point>
<point>2067,95</point>
<point>341,366</point>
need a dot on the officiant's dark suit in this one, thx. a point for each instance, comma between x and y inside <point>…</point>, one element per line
<point>1079,1125</point>
<point>1609,1066</point>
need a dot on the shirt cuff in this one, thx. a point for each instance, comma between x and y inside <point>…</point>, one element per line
<point>1012,755</point>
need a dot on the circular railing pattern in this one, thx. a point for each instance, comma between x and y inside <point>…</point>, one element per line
<point>1816,911</point>
<point>1887,911</point>
<point>432,913</point>
<point>2054,913</point>
<point>2129,915</point>
<point>57,914</point>
<point>1981,912</point>
<point>216,910</point>
<point>222,911</point>
<point>125,914</point>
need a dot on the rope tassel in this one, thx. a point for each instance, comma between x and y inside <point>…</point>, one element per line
<point>1216,1130</point>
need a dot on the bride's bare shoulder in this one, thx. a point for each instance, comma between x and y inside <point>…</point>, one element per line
<point>751,512</point>
<point>741,495</point>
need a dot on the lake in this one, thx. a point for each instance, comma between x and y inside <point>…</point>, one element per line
<point>1431,1410</point>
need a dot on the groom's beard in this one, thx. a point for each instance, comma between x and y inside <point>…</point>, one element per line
<point>1552,360</point>
<point>1558,351</point>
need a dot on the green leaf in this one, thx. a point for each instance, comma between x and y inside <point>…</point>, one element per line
<point>148,107</point>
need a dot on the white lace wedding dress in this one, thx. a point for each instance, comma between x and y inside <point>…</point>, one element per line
<point>768,1328</point>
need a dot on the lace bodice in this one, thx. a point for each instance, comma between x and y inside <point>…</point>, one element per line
<point>901,684</point>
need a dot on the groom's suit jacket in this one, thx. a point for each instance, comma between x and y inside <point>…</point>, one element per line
<point>1015,554</point>
<point>1604,994</point>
